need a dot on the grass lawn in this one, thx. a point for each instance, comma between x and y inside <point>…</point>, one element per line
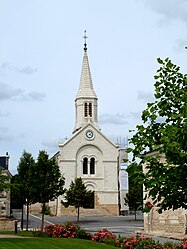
<point>49,243</point>
<point>20,233</point>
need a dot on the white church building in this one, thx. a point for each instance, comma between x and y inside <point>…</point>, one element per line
<point>89,154</point>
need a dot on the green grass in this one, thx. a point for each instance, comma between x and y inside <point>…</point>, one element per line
<point>49,243</point>
<point>19,233</point>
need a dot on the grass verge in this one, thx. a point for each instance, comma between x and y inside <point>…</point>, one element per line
<point>49,243</point>
<point>19,233</point>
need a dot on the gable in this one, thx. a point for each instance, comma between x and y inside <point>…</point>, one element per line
<point>80,140</point>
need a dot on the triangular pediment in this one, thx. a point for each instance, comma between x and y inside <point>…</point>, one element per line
<point>98,136</point>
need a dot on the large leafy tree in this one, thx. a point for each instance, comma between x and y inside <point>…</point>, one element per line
<point>164,130</point>
<point>77,195</point>
<point>48,183</point>
<point>23,184</point>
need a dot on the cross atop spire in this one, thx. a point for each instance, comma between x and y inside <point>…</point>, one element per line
<point>85,44</point>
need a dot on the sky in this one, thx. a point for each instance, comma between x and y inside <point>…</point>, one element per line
<point>41,52</point>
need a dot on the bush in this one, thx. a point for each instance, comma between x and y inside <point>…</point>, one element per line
<point>69,230</point>
<point>82,234</point>
<point>103,235</point>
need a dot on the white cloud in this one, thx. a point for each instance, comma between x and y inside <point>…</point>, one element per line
<point>135,115</point>
<point>116,119</point>
<point>38,96</point>
<point>50,143</point>
<point>25,70</point>
<point>170,9</point>
<point>145,96</point>
<point>8,92</point>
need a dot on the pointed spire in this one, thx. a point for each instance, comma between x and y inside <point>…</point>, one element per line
<point>86,99</point>
<point>86,86</point>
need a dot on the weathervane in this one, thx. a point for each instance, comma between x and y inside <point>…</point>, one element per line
<point>85,44</point>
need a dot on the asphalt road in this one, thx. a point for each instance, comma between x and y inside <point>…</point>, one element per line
<point>119,225</point>
<point>123,225</point>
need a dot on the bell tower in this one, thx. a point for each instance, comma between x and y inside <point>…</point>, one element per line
<point>86,100</point>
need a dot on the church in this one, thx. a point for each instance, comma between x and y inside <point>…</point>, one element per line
<point>88,153</point>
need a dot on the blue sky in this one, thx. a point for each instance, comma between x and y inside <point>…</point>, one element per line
<point>41,57</point>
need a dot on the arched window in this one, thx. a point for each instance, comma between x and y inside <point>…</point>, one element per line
<point>85,109</point>
<point>92,166</point>
<point>85,166</point>
<point>90,109</point>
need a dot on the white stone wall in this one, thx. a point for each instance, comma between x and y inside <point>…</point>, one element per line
<point>105,180</point>
<point>169,222</point>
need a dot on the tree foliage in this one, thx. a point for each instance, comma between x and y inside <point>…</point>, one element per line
<point>134,198</point>
<point>23,185</point>
<point>77,195</point>
<point>25,177</point>
<point>48,183</point>
<point>164,129</point>
<point>16,197</point>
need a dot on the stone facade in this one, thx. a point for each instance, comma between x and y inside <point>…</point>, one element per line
<point>5,203</point>
<point>169,222</point>
<point>5,195</point>
<point>104,181</point>
<point>7,224</point>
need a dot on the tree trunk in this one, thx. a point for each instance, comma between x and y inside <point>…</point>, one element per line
<point>78,214</point>
<point>22,218</point>
<point>27,224</point>
<point>135,212</point>
<point>43,211</point>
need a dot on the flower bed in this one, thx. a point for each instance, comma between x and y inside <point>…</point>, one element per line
<point>69,230</point>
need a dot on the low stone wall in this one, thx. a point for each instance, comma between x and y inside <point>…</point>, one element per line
<point>7,224</point>
<point>171,222</point>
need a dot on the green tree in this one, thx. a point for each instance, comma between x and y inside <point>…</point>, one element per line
<point>134,198</point>
<point>164,129</point>
<point>48,183</point>
<point>77,195</point>
<point>16,197</point>
<point>24,182</point>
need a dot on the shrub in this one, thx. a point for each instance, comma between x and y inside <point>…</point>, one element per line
<point>183,245</point>
<point>67,230</point>
<point>103,235</point>
<point>82,234</point>
<point>138,242</point>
